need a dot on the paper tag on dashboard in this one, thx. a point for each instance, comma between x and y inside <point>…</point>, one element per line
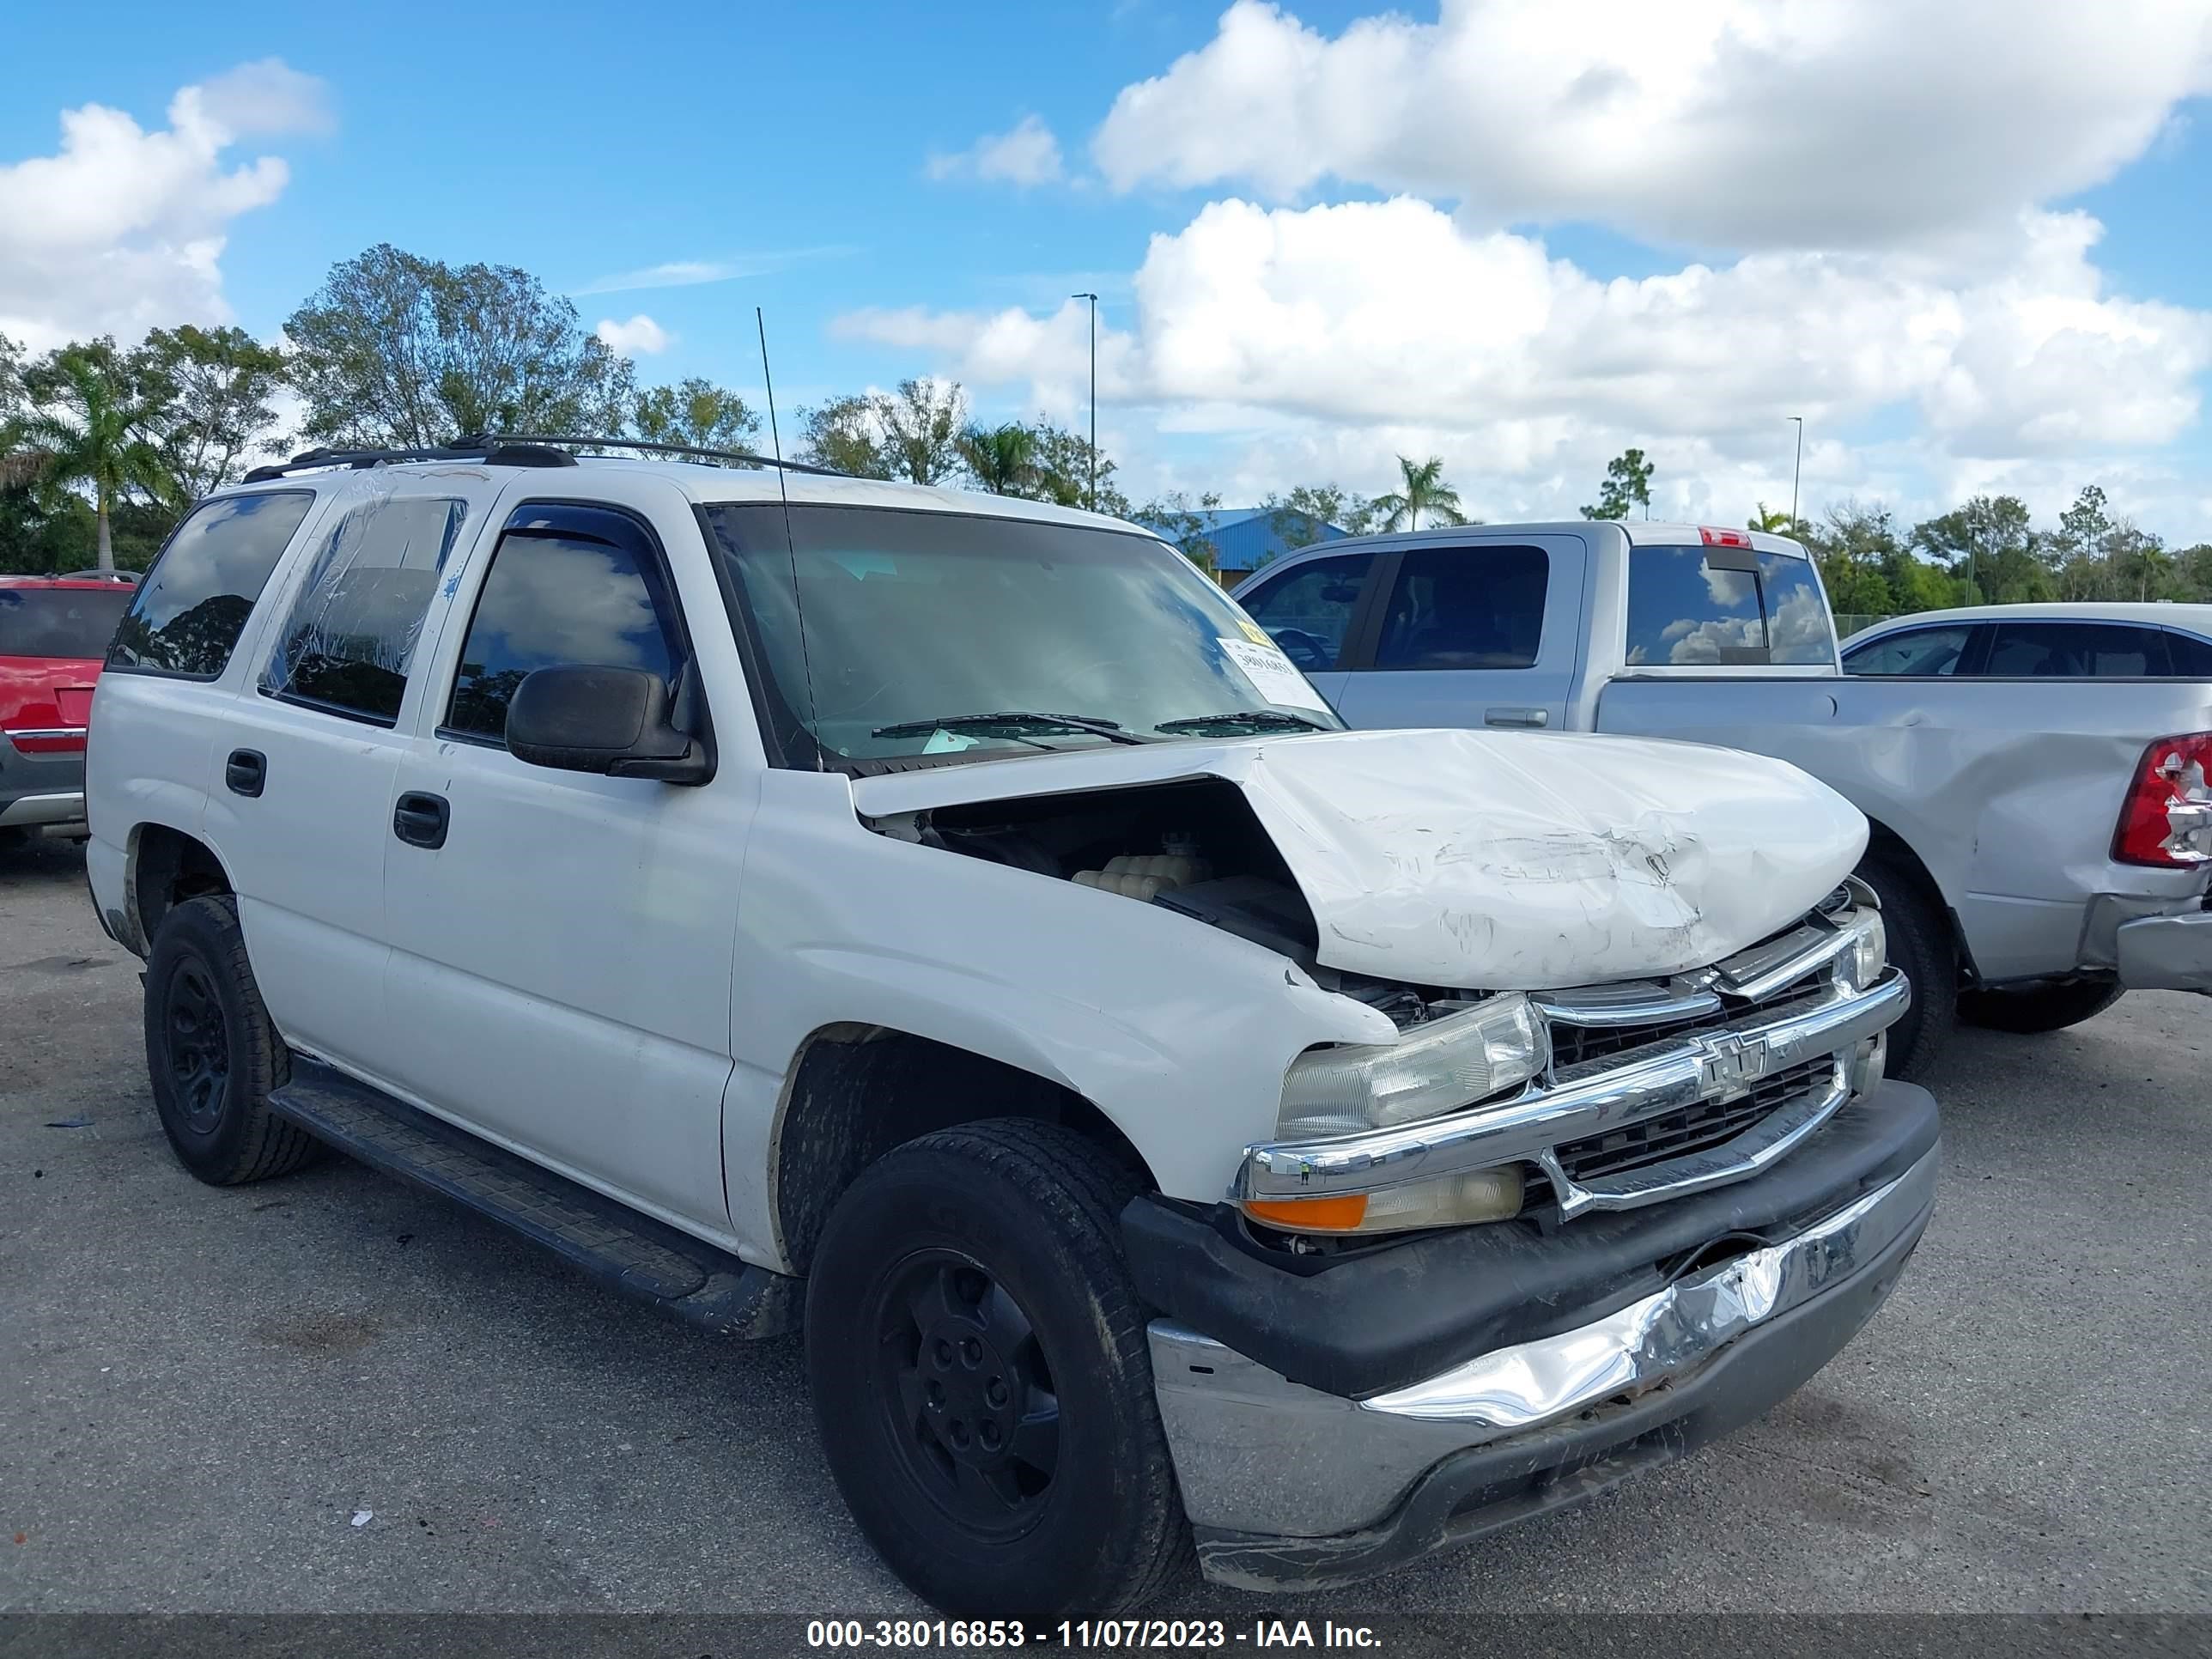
<point>1272,674</point>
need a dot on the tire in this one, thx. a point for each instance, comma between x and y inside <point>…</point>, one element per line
<point>2031,1010</point>
<point>212,1055</point>
<point>968,1288</point>
<point>1920,943</point>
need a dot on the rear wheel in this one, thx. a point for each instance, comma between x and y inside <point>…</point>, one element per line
<point>2033,1009</point>
<point>1920,943</point>
<point>212,1055</point>
<point>982,1379</point>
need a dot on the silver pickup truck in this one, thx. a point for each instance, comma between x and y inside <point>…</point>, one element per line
<point>2038,845</point>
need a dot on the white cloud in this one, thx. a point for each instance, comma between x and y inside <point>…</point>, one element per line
<point>123,230</point>
<point>640,337</point>
<point>1714,122</point>
<point>1332,338</point>
<point>1027,155</point>
<point>690,273</point>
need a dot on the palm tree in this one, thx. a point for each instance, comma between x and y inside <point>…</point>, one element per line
<point>90,431</point>
<point>1425,491</point>
<point>1002,459</point>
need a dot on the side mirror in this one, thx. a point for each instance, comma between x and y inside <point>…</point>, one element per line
<point>613,722</point>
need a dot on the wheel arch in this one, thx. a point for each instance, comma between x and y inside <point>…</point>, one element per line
<point>1885,844</point>
<point>165,866</point>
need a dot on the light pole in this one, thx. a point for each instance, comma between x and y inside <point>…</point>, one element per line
<point>1796,472</point>
<point>1094,395</point>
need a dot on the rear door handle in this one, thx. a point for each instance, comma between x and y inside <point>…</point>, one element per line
<point>420,820</point>
<point>245,771</point>
<point>1516,717</point>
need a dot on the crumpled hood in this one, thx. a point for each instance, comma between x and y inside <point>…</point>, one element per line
<point>1494,860</point>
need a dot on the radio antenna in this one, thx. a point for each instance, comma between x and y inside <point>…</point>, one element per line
<point>790,547</point>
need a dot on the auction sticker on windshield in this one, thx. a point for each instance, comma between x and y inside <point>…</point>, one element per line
<point>1272,674</point>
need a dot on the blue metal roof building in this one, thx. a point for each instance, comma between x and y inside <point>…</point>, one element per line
<point>1244,539</point>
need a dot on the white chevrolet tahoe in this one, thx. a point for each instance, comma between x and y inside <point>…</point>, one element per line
<point>948,923</point>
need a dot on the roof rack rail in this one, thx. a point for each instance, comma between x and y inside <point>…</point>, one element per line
<point>494,452</point>
<point>738,455</point>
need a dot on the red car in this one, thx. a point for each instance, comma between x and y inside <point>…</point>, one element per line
<point>53,636</point>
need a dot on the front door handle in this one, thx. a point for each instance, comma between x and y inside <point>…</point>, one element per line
<point>245,771</point>
<point>420,820</point>
<point>1520,717</point>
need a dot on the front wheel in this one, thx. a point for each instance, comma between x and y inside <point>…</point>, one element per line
<point>2029,1010</point>
<point>1920,943</point>
<point>982,1379</point>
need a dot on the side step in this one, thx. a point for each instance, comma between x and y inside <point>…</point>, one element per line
<point>682,1275</point>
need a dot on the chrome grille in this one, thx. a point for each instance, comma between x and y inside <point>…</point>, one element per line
<point>1708,1124</point>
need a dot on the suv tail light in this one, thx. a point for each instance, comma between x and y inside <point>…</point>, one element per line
<point>2167,818</point>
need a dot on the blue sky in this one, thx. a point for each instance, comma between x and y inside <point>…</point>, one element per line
<point>1349,263</point>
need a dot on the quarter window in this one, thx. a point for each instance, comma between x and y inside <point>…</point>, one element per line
<point>1683,612</point>
<point>1308,611</point>
<point>2191,656</point>
<point>1466,607</point>
<point>352,633</point>
<point>557,596</point>
<point>2071,650</point>
<point>1917,651</point>
<point>188,613</point>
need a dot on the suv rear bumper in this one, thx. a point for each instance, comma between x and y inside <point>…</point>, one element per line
<point>1292,1484</point>
<point>40,789</point>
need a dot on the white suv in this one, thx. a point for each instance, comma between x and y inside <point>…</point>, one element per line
<point>947,921</point>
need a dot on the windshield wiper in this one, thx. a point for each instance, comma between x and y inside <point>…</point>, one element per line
<point>1242,717</point>
<point>1106,729</point>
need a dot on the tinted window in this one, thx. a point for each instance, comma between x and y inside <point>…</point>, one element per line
<point>60,622</point>
<point>1462,607</point>
<point>351,634</point>
<point>2076,650</point>
<point>188,613</point>
<point>1309,610</point>
<point>1916,651</point>
<point>1683,612</point>
<point>551,601</point>
<point>2191,656</point>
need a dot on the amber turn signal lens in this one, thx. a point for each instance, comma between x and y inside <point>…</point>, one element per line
<point>1310,1215</point>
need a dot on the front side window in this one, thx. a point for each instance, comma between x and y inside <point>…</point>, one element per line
<point>1308,611</point>
<point>2071,650</point>
<point>68,623</point>
<point>1464,607</point>
<point>347,645</point>
<point>1917,651</point>
<point>560,597</point>
<point>909,628</point>
<point>188,612</point>
<point>1683,612</point>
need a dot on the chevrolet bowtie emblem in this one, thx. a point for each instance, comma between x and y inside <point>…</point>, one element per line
<point>1731,1063</point>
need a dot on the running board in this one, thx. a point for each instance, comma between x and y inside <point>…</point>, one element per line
<point>612,1242</point>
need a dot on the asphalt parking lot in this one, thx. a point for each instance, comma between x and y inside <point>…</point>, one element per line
<point>205,1391</point>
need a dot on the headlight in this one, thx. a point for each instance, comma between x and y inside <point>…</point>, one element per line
<point>1432,1069</point>
<point>1868,953</point>
<point>1452,1200</point>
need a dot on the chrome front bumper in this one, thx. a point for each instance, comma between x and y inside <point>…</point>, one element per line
<point>1289,1486</point>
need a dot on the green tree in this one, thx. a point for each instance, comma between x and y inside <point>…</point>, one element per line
<point>1856,550</point>
<point>1188,526</point>
<point>400,351</point>
<point>1627,484</point>
<point>2083,526</point>
<point>1300,518</point>
<point>2138,564</point>
<point>1775,522</point>
<point>214,388</point>
<point>1064,472</point>
<point>1001,458</point>
<point>921,424</point>
<point>695,411</point>
<point>93,423</point>
<point>1422,490</point>
<point>1990,545</point>
<point>843,435</point>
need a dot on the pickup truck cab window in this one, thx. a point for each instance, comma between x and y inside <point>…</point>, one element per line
<point>904,620</point>
<point>188,613</point>
<point>1454,607</point>
<point>1309,611</point>
<point>346,647</point>
<point>1915,651</point>
<point>1685,612</point>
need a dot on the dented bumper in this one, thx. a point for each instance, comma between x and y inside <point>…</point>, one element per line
<point>1293,1485</point>
<point>2167,953</point>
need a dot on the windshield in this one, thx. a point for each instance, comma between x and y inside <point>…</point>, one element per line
<point>914,618</point>
<point>60,622</point>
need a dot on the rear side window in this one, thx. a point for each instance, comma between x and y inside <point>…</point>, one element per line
<point>347,645</point>
<point>1308,611</point>
<point>1684,613</point>
<point>188,613</point>
<point>1466,607</point>
<point>2191,656</point>
<point>1917,651</point>
<point>2069,650</point>
<point>557,598</point>
<point>68,622</point>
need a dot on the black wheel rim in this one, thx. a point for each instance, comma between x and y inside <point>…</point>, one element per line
<point>199,1047</point>
<point>975,1418</point>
